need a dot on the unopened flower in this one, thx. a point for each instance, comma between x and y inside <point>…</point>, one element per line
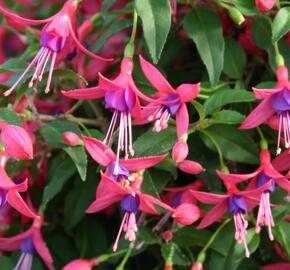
<point>17,142</point>
<point>82,264</point>
<point>191,167</point>
<point>265,5</point>
<point>57,32</point>
<point>71,138</point>
<point>180,151</point>
<point>197,266</point>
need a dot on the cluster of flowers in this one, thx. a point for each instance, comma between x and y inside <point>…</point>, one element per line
<point>122,178</point>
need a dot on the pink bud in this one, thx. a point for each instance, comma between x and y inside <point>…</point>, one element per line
<point>71,138</point>
<point>81,264</point>
<point>167,235</point>
<point>17,142</point>
<point>282,74</point>
<point>197,266</point>
<point>180,151</point>
<point>186,214</point>
<point>168,267</point>
<point>190,167</point>
<point>265,5</point>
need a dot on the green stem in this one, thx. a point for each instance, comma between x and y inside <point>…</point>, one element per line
<point>279,59</point>
<point>106,257</point>
<point>129,50</point>
<point>201,255</point>
<point>125,259</point>
<point>263,142</point>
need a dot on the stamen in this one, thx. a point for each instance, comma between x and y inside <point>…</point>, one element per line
<point>35,59</point>
<point>111,129</point>
<point>115,246</point>
<point>47,88</point>
<point>161,222</point>
<point>278,149</point>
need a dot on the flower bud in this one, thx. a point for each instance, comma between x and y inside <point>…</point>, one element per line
<point>186,214</point>
<point>282,74</point>
<point>236,16</point>
<point>265,5</point>
<point>168,267</point>
<point>180,151</point>
<point>191,167</point>
<point>71,138</point>
<point>17,142</point>
<point>82,264</point>
<point>167,235</point>
<point>197,266</point>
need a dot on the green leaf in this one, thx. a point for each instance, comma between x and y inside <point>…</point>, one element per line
<point>228,96</point>
<point>203,26</point>
<point>199,108</point>
<point>262,34</point>
<point>60,170</point>
<point>156,22</point>
<point>68,74</point>
<point>228,117</point>
<point>247,7</point>
<point>6,262</point>
<point>281,234</point>
<point>10,117</point>
<point>236,145</point>
<point>178,257</point>
<point>107,4</point>
<point>230,252</point>
<point>78,200</point>
<point>147,235</point>
<point>53,133</point>
<point>151,144</point>
<point>281,24</point>
<point>235,59</point>
<point>80,159</point>
<point>148,185</point>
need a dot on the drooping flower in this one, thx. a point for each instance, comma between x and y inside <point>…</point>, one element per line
<point>236,202</point>
<point>176,198</point>
<point>9,191</point>
<point>82,264</point>
<point>17,142</point>
<point>275,102</point>
<point>265,5</point>
<point>57,32</point>
<point>118,168</point>
<point>169,101</point>
<point>28,243</point>
<point>121,97</point>
<point>131,198</point>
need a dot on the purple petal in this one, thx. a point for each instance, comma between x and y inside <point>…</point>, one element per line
<point>116,100</point>
<point>172,107</point>
<point>130,99</point>
<point>279,102</point>
<point>176,200</point>
<point>237,203</point>
<point>264,179</point>
<point>123,171</point>
<point>27,246</point>
<point>52,42</point>
<point>3,197</point>
<point>130,204</point>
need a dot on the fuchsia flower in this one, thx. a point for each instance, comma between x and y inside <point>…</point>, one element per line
<point>181,198</point>
<point>122,98</point>
<point>119,169</point>
<point>17,142</point>
<point>265,5</point>
<point>169,101</point>
<point>57,32</point>
<point>132,200</point>
<point>275,102</point>
<point>9,191</point>
<point>28,243</point>
<point>236,202</point>
<point>82,264</point>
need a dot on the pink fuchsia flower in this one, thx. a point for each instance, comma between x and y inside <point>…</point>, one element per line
<point>236,202</point>
<point>176,197</point>
<point>17,142</point>
<point>82,264</point>
<point>57,32</point>
<point>132,200</point>
<point>169,101</point>
<point>275,102</point>
<point>28,243</point>
<point>122,98</point>
<point>119,169</point>
<point>265,5</point>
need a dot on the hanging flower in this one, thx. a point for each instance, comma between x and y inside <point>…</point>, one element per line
<point>57,32</point>
<point>275,102</point>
